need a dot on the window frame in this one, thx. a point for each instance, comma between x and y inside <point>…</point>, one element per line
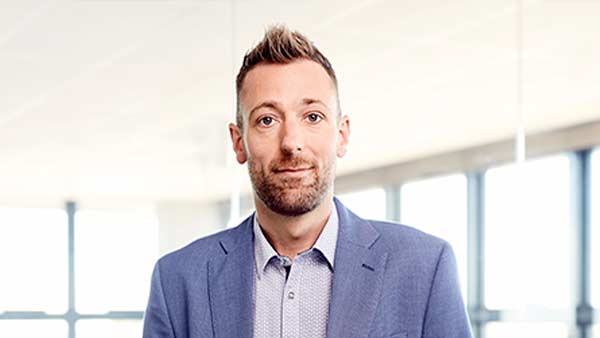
<point>71,316</point>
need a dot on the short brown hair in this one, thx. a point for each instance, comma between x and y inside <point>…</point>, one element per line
<point>279,45</point>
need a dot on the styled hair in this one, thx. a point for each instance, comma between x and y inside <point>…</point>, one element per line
<point>279,45</point>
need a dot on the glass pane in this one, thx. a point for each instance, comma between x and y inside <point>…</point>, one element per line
<point>595,229</point>
<point>438,206</point>
<point>368,204</point>
<point>103,328</point>
<point>596,331</point>
<point>526,330</point>
<point>33,260</point>
<point>114,255</point>
<point>527,235</point>
<point>34,328</point>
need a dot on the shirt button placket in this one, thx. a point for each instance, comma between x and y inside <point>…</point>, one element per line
<point>291,304</point>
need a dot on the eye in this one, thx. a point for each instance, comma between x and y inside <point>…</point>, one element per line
<point>314,117</point>
<point>266,120</point>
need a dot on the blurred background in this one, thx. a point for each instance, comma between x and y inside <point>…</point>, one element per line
<point>475,120</point>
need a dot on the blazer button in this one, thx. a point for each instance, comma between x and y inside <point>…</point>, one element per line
<point>291,295</point>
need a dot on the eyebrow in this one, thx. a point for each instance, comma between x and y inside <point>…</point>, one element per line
<point>266,104</point>
<point>309,101</point>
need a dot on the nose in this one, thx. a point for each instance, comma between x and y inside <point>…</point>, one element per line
<point>292,141</point>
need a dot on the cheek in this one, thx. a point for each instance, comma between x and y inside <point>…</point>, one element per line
<point>259,155</point>
<point>326,149</point>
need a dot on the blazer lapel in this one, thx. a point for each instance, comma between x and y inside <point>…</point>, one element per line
<point>230,282</point>
<point>357,277</point>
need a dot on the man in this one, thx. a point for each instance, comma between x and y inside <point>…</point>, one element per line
<point>302,265</point>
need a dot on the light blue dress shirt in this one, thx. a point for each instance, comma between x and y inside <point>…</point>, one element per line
<point>291,300</point>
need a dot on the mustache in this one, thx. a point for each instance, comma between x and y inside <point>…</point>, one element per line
<point>291,163</point>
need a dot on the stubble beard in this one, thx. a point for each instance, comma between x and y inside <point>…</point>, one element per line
<point>291,196</point>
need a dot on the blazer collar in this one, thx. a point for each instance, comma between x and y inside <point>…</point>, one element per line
<point>358,277</point>
<point>230,283</point>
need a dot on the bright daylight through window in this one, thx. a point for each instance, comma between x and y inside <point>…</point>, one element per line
<point>528,224</point>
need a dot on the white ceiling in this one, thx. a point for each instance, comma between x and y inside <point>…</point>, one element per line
<point>130,100</point>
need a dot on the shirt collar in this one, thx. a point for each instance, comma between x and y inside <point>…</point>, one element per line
<point>326,242</point>
<point>263,251</point>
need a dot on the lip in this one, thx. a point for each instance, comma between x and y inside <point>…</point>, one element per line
<point>292,170</point>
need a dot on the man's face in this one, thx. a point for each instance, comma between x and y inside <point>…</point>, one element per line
<point>292,135</point>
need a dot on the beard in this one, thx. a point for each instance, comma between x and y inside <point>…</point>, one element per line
<point>291,196</point>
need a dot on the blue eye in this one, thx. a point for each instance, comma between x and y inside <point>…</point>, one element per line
<point>314,117</point>
<point>266,121</point>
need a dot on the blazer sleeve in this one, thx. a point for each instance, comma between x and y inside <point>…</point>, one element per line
<point>446,316</point>
<point>157,323</point>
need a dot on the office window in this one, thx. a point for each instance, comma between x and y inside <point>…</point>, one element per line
<point>528,237</point>
<point>103,328</point>
<point>526,330</point>
<point>34,260</point>
<point>366,203</point>
<point>114,255</point>
<point>438,206</point>
<point>49,328</point>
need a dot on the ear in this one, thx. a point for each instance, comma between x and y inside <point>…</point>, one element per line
<point>237,140</point>
<point>343,136</point>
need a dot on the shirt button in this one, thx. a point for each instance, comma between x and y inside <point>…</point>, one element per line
<point>291,295</point>
<point>285,261</point>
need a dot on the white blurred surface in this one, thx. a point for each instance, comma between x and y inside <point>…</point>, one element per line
<point>369,204</point>
<point>115,252</point>
<point>48,328</point>
<point>528,235</point>
<point>33,260</point>
<point>104,328</point>
<point>527,330</point>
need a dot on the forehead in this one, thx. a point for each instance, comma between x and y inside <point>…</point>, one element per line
<point>288,83</point>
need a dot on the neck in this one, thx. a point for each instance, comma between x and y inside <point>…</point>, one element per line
<point>290,235</point>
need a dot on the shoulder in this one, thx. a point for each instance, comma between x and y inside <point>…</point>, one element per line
<point>395,233</point>
<point>395,239</point>
<point>408,243</point>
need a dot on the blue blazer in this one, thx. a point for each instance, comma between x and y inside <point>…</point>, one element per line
<point>389,281</point>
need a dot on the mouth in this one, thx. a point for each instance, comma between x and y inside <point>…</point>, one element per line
<point>292,170</point>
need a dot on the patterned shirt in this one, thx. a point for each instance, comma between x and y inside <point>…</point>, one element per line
<point>291,300</point>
